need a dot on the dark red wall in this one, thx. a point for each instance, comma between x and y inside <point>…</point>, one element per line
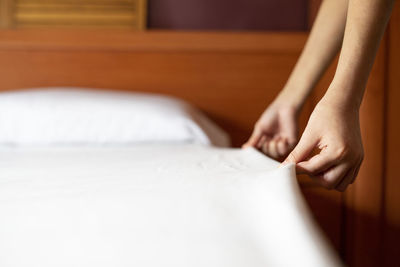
<point>282,15</point>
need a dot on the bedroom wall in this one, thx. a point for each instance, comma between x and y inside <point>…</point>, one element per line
<point>274,15</point>
<point>271,15</point>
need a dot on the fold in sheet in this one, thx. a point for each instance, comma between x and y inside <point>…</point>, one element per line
<point>153,205</point>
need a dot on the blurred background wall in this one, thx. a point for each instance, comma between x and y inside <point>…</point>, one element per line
<point>254,15</point>
<point>275,15</point>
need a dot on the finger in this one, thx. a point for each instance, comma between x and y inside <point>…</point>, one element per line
<point>303,149</point>
<point>263,139</point>
<point>282,147</point>
<point>264,147</point>
<point>317,164</point>
<point>333,176</point>
<point>254,138</point>
<point>341,187</point>
<point>289,126</point>
<point>273,149</point>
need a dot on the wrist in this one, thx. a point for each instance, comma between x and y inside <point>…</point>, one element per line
<point>292,97</point>
<point>344,96</point>
<point>339,105</point>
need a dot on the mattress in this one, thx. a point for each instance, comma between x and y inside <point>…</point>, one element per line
<point>153,205</point>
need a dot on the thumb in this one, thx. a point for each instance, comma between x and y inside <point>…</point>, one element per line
<point>303,149</point>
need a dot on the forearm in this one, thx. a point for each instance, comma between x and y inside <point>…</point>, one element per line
<point>366,22</point>
<point>322,46</point>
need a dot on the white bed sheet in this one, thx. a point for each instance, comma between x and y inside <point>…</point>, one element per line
<point>153,205</point>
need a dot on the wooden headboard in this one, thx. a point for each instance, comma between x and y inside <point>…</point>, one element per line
<point>230,76</point>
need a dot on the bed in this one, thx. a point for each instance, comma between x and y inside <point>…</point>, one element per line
<point>178,205</point>
<point>93,178</point>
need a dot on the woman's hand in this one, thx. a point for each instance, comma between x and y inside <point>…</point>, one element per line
<point>334,130</point>
<point>275,133</point>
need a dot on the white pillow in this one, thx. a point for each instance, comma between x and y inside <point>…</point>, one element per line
<point>73,116</point>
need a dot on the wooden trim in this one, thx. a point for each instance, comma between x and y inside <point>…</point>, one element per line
<point>31,14</point>
<point>166,41</point>
<point>142,14</point>
<point>6,13</point>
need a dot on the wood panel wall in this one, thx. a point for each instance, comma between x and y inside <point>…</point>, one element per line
<point>233,77</point>
<point>391,196</point>
<point>73,13</point>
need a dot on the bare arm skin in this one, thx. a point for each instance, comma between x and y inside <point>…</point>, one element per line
<point>365,26</point>
<point>322,46</point>
<point>333,127</point>
<point>275,133</point>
